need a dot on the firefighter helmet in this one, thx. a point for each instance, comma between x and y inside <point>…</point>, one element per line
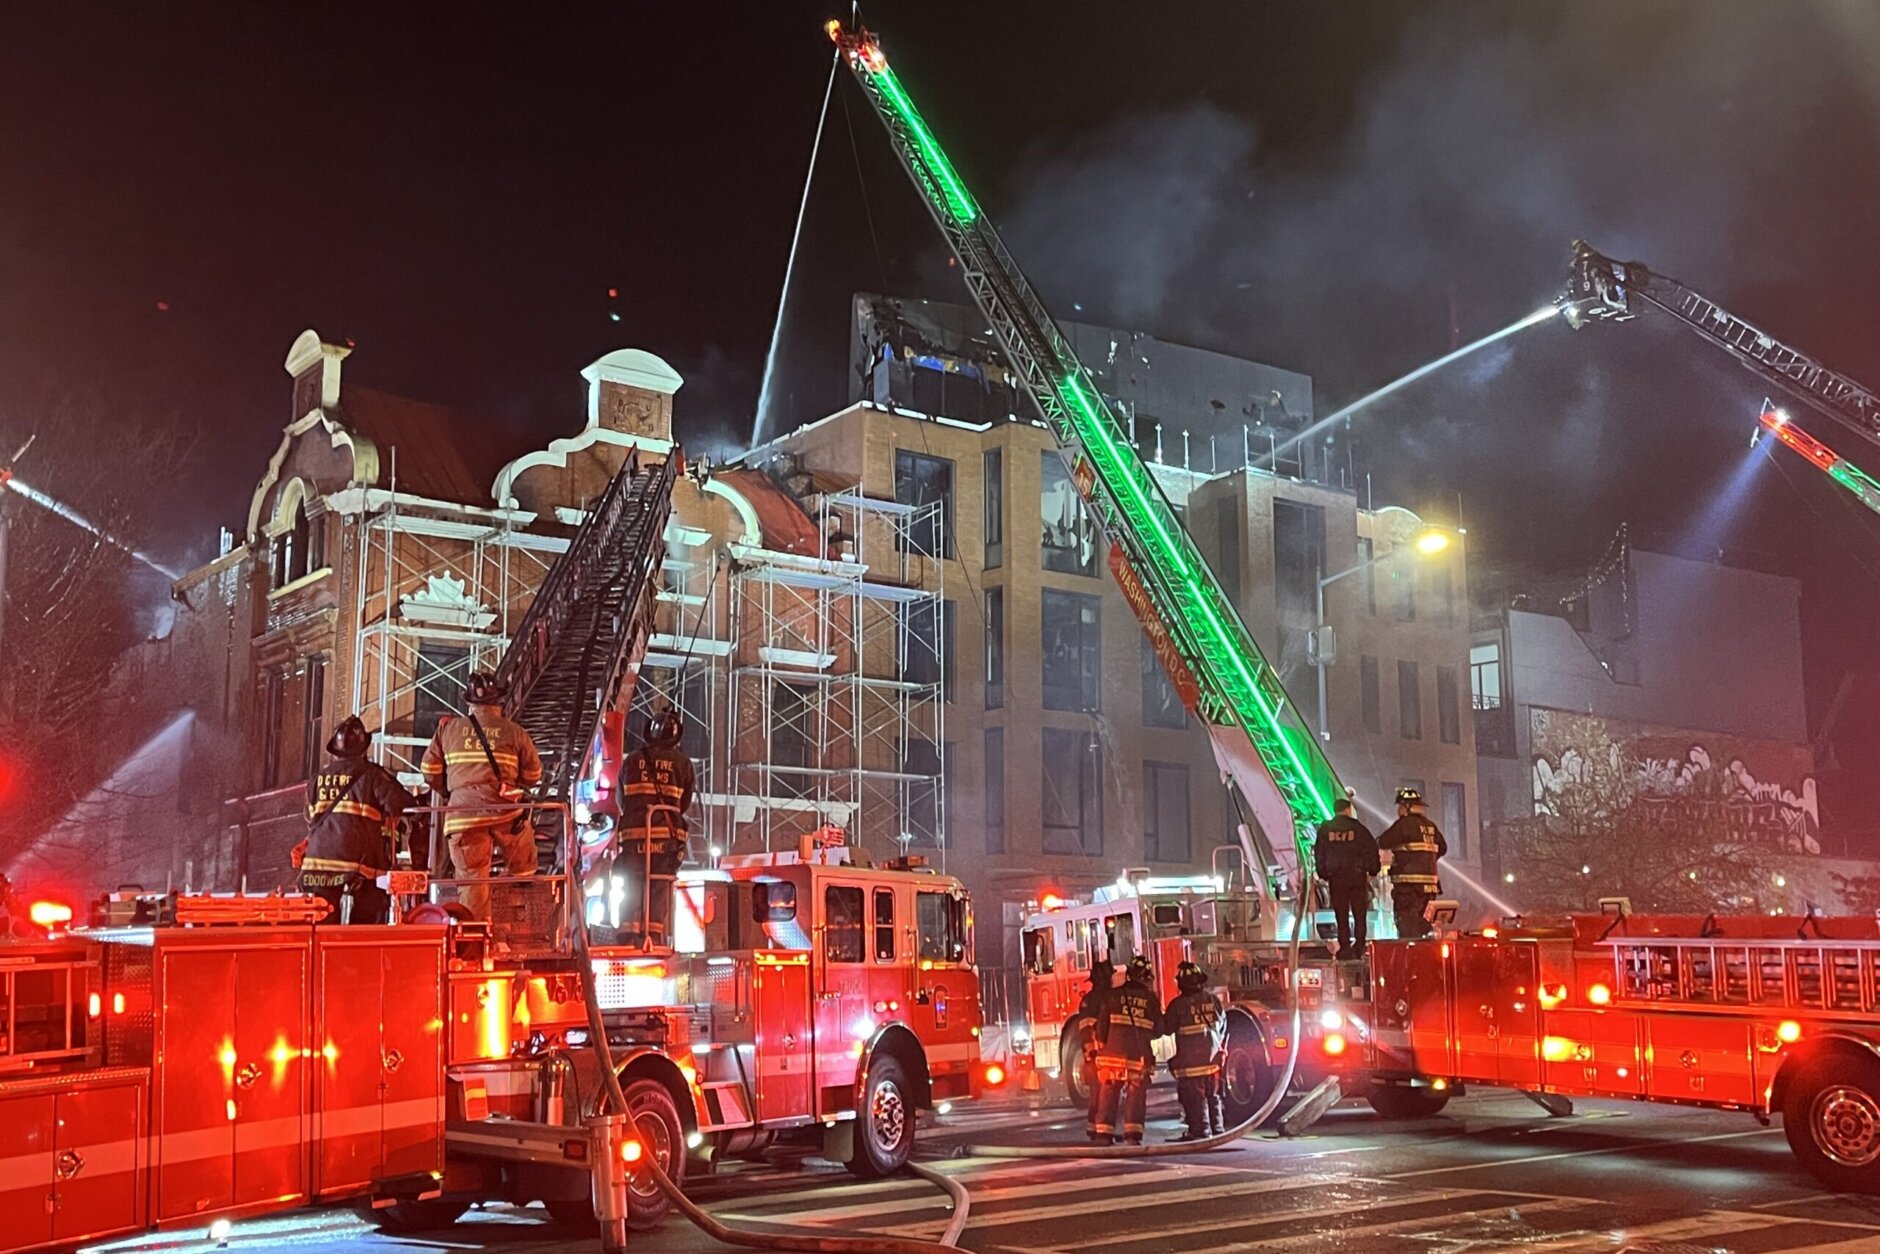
<point>665,729</point>
<point>1140,972</point>
<point>1102,974</point>
<point>350,739</point>
<point>1190,978</point>
<point>483,688</point>
<point>1409,797</point>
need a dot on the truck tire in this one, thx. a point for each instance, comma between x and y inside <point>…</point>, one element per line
<point>1072,1068</point>
<point>1247,1077</point>
<point>1400,1101</point>
<point>662,1135</point>
<point>426,1216</point>
<point>884,1126</point>
<point>1831,1115</point>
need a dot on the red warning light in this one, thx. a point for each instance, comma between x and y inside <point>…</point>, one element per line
<point>612,292</point>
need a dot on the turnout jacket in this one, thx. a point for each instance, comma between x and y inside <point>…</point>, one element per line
<point>349,805</point>
<point>1200,1028</point>
<point>1090,1009</point>
<point>456,766</point>
<point>1128,1021</point>
<point>1344,849</point>
<point>655,776</point>
<point>1415,845</point>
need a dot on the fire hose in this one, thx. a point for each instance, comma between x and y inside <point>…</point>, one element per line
<point>1219,1140</point>
<point>614,1096</point>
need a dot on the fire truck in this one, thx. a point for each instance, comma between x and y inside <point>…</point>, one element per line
<point>185,1060</point>
<point>1741,1013</point>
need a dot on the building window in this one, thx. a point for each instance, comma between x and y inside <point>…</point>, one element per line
<point>300,550</point>
<point>995,790</point>
<point>1443,575</point>
<point>993,468</point>
<point>1403,578</point>
<point>842,924</point>
<point>927,644</point>
<point>1367,559</point>
<point>1373,702</point>
<point>1448,705</point>
<point>1161,704</point>
<point>884,925</point>
<point>995,648</point>
<point>1072,644</point>
<point>442,672</point>
<point>920,480</point>
<point>1485,676</point>
<point>923,810</point>
<point>315,706</point>
<point>1409,702</point>
<point>1227,549</point>
<point>1165,812</point>
<point>273,697</point>
<point>1069,533</point>
<point>1073,793</point>
<point>1456,819</point>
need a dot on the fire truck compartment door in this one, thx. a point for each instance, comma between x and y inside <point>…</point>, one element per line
<point>1700,1058</point>
<point>26,1186</point>
<point>270,1081</point>
<point>784,1041</point>
<point>1497,1008</point>
<point>195,1072</point>
<point>1518,1014</point>
<point>1411,1001</point>
<point>98,1151</point>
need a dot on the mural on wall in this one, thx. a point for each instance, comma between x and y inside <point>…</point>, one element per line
<point>1760,792</point>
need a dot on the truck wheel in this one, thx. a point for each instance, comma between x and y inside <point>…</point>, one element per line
<point>1073,1069</point>
<point>1831,1115</point>
<point>884,1126</point>
<point>1400,1101</point>
<point>427,1216</point>
<point>1247,1078</point>
<point>662,1135</point>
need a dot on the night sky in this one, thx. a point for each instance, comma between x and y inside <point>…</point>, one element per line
<point>1346,190</point>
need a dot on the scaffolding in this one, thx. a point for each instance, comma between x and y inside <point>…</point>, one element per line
<point>684,671</point>
<point>837,671</point>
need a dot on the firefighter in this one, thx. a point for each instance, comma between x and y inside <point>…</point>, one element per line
<point>1102,978</point>
<point>1414,844</point>
<point>351,805</point>
<point>1199,1023</point>
<point>657,783</point>
<point>484,760</point>
<point>1126,1027</point>
<point>1345,854</point>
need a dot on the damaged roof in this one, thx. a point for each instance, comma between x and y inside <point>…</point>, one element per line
<point>443,454</point>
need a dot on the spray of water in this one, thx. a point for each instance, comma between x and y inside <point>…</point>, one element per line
<point>1533,319</point>
<point>79,520</point>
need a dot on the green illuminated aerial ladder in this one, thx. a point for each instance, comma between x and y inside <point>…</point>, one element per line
<point>1259,738</point>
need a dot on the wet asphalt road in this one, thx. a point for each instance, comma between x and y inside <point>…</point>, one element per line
<point>1492,1172</point>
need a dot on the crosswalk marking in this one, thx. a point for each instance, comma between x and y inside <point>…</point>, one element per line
<point>1642,1147</point>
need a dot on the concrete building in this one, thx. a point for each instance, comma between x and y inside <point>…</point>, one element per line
<point>1690,671</point>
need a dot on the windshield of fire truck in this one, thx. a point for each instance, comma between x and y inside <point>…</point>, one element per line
<point>944,922</point>
<point>1040,951</point>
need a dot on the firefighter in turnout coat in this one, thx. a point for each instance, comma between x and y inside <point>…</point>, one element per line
<point>656,783</point>
<point>1200,1027</point>
<point>1345,855</point>
<point>350,804</point>
<point>1126,1028</point>
<point>1102,980</point>
<point>1414,844</point>
<point>484,760</point>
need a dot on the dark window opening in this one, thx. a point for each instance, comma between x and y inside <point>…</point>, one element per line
<point>927,644</point>
<point>1409,701</point>
<point>1369,696</point>
<point>1161,704</point>
<point>1072,644</point>
<point>315,705</point>
<point>1165,812</point>
<point>995,648</point>
<point>884,925</point>
<point>922,481</point>
<point>1073,793</point>
<point>1456,819</point>
<point>993,467</point>
<point>442,671</point>
<point>995,790</point>
<point>1069,533</point>
<point>1448,706</point>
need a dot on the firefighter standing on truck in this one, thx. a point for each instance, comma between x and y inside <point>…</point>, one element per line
<point>1102,978</point>
<point>1345,855</point>
<point>483,760</point>
<point>657,782</point>
<point>1414,844</point>
<point>1200,1027</point>
<point>1126,1028</point>
<point>350,804</point>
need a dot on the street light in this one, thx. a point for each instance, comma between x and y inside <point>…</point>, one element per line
<point>1428,542</point>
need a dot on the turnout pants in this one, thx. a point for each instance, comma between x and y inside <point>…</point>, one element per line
<point>1122,1090</point>
<point>1202,1107</point>
<point>370,903</point>
<point>471,851</point>
<point>1087,1061</point>
<point>1351,901</point>
<point>1409,902</point>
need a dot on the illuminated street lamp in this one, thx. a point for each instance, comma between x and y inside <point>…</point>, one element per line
<point>1428,543</point>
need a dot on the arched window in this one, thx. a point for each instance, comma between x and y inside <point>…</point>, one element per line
<point>299,549</point>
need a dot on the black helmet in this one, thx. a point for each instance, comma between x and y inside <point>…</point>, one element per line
<point>1409,797</point>
<point>1140,972</point>
<point>484,688</point>
<point>1190,978</point>
<point>1102,973</point>
<point>665,729</point>
<point>350,739</point>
